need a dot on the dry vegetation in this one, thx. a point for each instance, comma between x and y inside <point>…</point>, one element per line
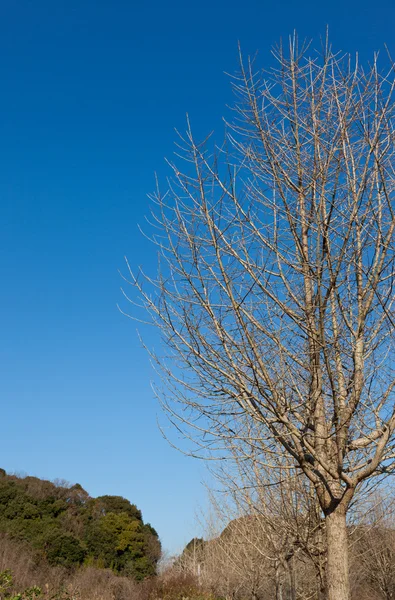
<point>64,584</point>
<point>247,562</point>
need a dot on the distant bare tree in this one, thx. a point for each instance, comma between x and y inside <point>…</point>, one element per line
<point>238,562</point>
<point>283,512</point>
<point>372,539</point>
<point>275,295</point>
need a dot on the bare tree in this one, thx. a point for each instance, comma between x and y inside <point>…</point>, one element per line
<point>238,561</point>
<point>281,505</point>
<point>372,548</point>
<point>263,537</point>
<point>262,544</point>
<point>275,293</point>
<point>376,559</point>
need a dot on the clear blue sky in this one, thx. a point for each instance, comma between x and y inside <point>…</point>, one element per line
<point>90,94</point>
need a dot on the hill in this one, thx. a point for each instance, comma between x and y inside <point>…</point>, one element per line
<point>66,527</point>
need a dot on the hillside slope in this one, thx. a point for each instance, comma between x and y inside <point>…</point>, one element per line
<point>67,527</point>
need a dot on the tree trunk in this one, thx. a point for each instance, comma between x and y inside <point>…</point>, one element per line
<point>338,584</point>
<point>291,593</point>
<point>279,585</point>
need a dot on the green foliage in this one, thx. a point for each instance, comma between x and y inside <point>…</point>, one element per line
<point>117,504</point>
<point>64,549</point>
<point>70,528</point>
<point>29,594</point>
<point>5,581</point>
<point>122,542</point>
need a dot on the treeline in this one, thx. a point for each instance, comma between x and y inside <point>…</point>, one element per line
<point>57,543</point>
<point>64,526</point>
<point>252,560</point>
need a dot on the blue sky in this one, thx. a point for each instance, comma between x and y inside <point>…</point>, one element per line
<point>90,94</point>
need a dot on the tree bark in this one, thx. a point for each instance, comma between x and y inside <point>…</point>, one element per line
<point>338,585</point>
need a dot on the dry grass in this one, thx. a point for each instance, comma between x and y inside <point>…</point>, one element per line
<point>86,583</point>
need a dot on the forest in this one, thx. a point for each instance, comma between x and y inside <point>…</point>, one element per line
<point>60,525</point>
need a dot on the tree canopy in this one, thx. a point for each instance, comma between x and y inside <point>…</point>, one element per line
<point>274,294</point>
